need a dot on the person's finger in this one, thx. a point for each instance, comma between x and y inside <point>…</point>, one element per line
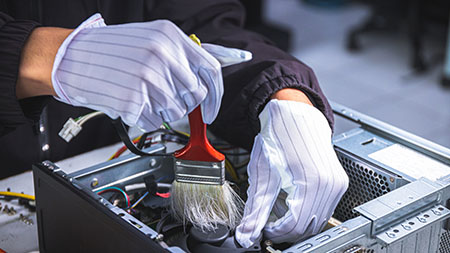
<point>227,56</point>
<point>264,185</point>
<point>212,79</point>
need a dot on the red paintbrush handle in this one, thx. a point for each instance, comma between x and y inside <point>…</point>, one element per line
<point>198,147</point>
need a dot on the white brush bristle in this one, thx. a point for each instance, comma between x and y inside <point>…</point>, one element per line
<point>206,206</point>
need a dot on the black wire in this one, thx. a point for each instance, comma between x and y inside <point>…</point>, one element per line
<point>168,135</point>
<point>174,138</point>
<point>171,132</point>
<point>142,141</point>
<point>123,134</point>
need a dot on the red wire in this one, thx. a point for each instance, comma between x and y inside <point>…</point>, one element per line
<point>112,189</point>
<point>163,195</point>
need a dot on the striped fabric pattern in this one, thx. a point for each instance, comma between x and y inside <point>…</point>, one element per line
<point>292,153</point>
<point>144,73</point>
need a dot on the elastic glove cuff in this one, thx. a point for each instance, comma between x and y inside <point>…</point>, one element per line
<point>94,21</point>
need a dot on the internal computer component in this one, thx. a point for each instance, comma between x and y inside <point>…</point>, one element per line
<point>121,205</point>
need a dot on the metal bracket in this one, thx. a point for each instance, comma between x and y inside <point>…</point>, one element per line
<point>401,204</point>
<point>412,225</point>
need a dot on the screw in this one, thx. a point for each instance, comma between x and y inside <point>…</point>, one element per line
<point>94,182</point>
<point>45,147</point>
<point>12,211</point>
<point>159,237</point>
<point>268,243</point>
<point>26,220</point>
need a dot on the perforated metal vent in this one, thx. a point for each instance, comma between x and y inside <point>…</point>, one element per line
<point>366,183</point>
<point>444,244</point>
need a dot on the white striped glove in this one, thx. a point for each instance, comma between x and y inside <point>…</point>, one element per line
<point>145,73</point>
<point>293,153</point>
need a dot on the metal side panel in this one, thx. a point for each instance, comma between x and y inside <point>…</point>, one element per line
<point>71,219</point>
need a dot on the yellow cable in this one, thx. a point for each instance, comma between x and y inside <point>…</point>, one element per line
<point>112,157</point>
<point>135,139</point>
<point>180,132</point>
<point>15,194</point>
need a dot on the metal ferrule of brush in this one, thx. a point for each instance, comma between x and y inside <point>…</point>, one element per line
<point>198,172</point>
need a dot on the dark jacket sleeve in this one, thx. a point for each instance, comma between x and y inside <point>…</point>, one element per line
<point>13,35</point>
<point>248,86</point>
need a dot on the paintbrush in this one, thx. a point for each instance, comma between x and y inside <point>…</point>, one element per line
<point>200,194</point>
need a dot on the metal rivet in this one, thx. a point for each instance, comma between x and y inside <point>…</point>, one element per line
<point>45,147</point>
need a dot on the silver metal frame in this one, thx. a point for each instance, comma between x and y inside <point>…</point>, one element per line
<point>409,218</point>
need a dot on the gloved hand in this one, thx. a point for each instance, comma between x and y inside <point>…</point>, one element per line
<point>145,73</point>
<point>293,153</point>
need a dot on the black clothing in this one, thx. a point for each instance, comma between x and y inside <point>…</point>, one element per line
<point>248,86</point>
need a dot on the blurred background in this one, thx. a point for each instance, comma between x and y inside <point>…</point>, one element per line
<point>389,59</point>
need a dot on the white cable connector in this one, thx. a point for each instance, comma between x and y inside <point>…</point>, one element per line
<point>70,130</point>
